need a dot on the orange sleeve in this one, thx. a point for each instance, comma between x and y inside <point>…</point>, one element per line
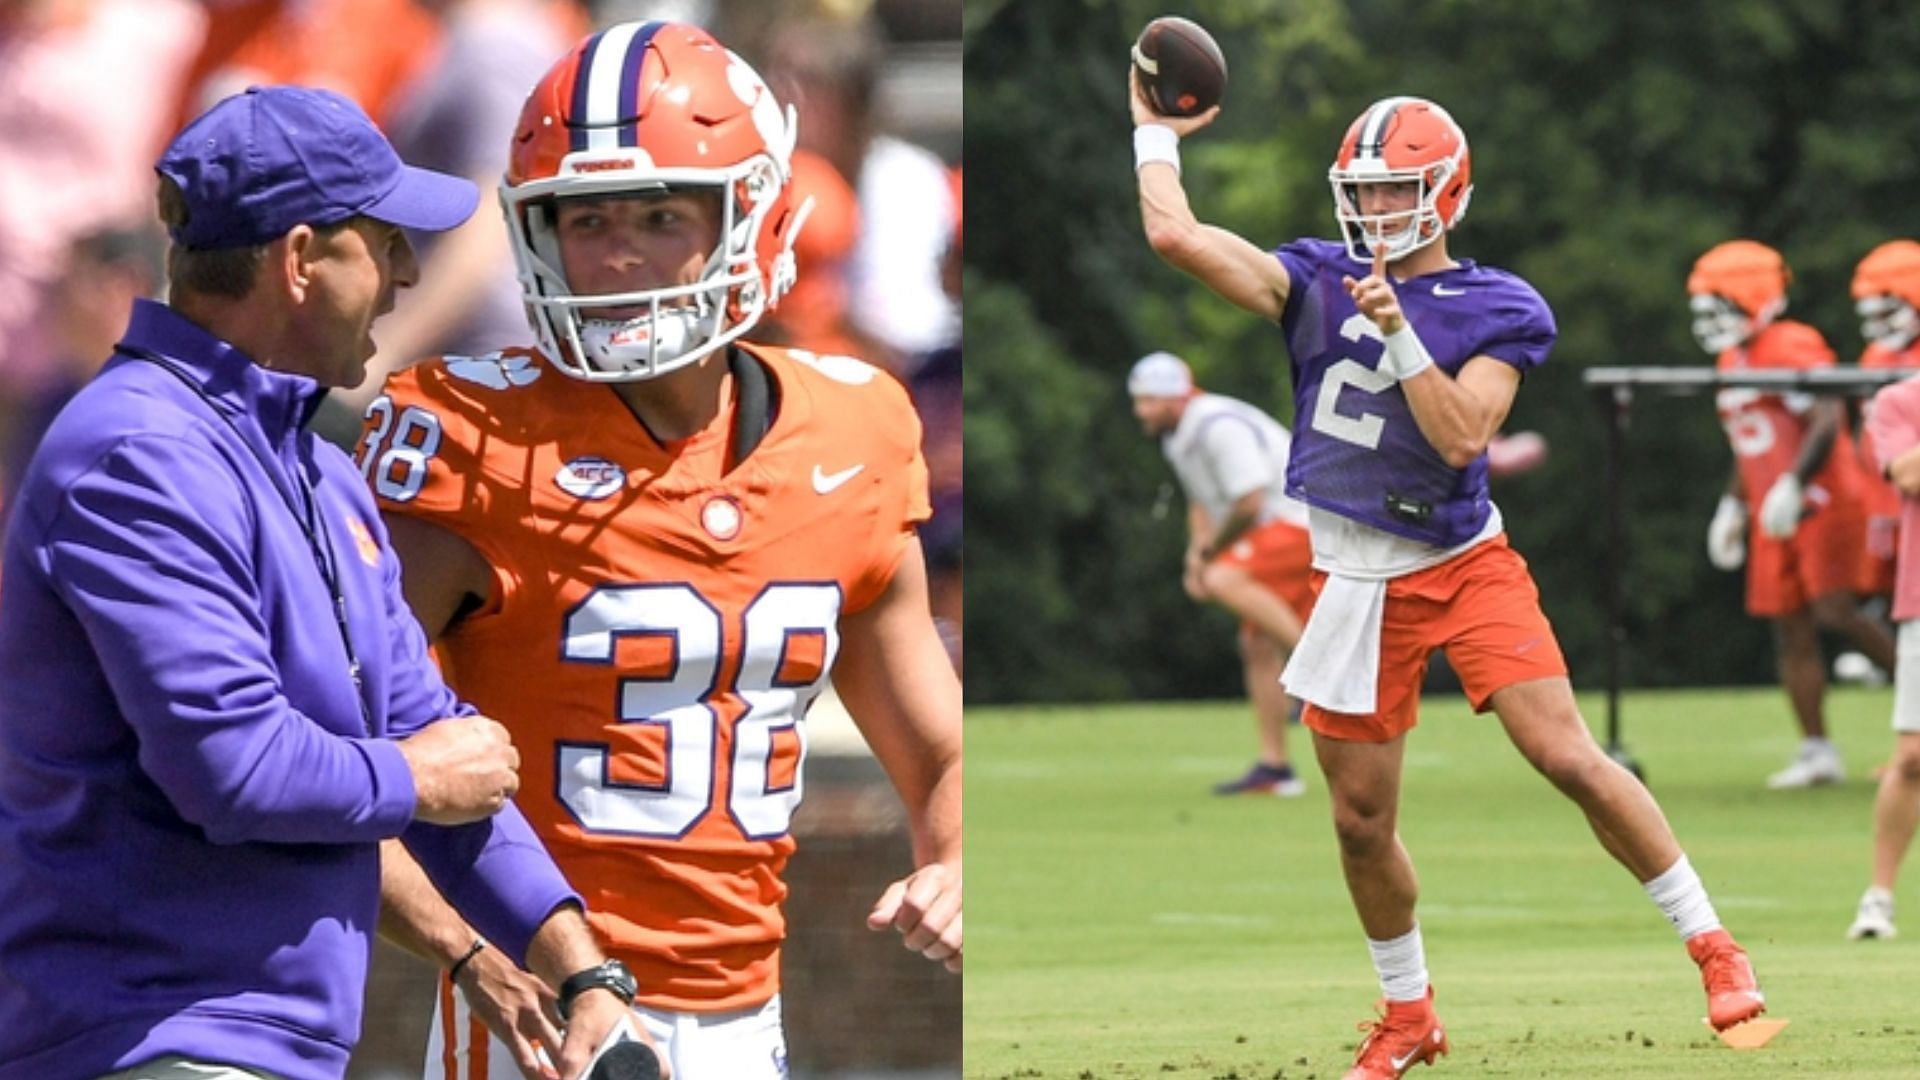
<point>423,449</point>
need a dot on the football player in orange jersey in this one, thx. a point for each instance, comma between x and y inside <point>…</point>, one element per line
<point>646,544</point>
<point>1796,481</point>
<point>1886,294</point>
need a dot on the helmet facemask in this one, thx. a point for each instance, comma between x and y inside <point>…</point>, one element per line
<point>1398,233</point>
<point>1888,321</point>
<point>1720,324</point>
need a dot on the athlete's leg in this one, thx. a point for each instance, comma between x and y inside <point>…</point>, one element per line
<point>1265,660</point>
<point>1802,671</point>
<point>1545,725</point>
<point>1241,593</point>
<point>1363,782</point>
<point>1840,612</point>
<point>1896,810</point>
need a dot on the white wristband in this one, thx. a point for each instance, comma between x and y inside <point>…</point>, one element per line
<point>1156,142</point>
<point>1406,355</point>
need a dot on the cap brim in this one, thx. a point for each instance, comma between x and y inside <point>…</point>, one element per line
<point>426,200</point>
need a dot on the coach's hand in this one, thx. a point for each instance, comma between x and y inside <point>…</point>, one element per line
<point>1780,511</point>
<point>464,769</point>
<point>925,907</point>
<point>1727,535</point>
<point>514,1005</point>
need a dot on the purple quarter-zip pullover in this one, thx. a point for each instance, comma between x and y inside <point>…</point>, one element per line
<point>191,792</point>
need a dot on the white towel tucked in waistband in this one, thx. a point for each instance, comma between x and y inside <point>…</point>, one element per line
<point>1336,666</point>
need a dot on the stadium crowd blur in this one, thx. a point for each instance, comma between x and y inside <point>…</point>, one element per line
<point>90,90</point>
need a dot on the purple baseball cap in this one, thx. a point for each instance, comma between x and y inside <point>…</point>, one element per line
<point>262,161</point>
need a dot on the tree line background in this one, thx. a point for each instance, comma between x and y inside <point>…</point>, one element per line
<point>1613,141</point>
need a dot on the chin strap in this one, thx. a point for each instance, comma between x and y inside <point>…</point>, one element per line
<point>754,404</point>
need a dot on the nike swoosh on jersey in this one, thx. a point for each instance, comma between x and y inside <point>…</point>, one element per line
<point>826,482</point>
<point>1442,290</point>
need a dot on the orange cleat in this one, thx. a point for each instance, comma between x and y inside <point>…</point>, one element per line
<point>1407,1032</point>
<point>1733,994</point>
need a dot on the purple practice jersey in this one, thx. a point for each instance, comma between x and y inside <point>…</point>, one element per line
<point>1357,451</point>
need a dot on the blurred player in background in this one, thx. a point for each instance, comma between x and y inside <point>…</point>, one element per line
<point>1886,291</point>
<point>1247,546</point>
<point>1793,509</point>
<point>1402,372</point>
<point>646,544</point>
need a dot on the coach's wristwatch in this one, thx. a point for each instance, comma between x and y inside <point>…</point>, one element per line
<point>611,976</point>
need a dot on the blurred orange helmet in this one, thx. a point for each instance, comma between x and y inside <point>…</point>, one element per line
<point>1737,288</point>
<point>642,108</point>
<point>1886,294</point>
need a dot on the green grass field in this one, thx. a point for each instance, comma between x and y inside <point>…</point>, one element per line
<point>1125,923</point>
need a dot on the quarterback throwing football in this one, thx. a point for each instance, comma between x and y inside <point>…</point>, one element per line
<point>1405,362</point>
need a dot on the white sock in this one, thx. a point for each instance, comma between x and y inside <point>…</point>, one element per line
<point>1402,964</point>
<point>1683,900</point>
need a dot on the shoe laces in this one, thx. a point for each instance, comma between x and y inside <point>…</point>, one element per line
<point>1726,970</point>
<point>1376,1031</point>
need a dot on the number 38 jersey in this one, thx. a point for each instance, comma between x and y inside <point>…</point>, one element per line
<point>1357,450</point>
<point>658,626</point>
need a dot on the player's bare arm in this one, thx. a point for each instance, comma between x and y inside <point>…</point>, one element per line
<point>1240,517</point>
<point>1459,414</point>
<point>441,573</point>
<point>512,1003</point>
<point>1228,264</point>
<point>1823,431</point>
<point>1199,528</point>
<point>901,690</point>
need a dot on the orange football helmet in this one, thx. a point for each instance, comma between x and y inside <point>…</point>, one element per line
<point>653,107</point>
<point>1401,140</point>
<point>1886,294</point>
<point>1736,289</point>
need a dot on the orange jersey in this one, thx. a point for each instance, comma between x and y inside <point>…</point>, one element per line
<point>657,626</point>
<point>1767,429</point>
<point>1882,501</point>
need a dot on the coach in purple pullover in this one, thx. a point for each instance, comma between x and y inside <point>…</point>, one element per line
<point>213,702</point>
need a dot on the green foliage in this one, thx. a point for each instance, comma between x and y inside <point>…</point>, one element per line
<point>1125,924</point>
<point>1612,144</point>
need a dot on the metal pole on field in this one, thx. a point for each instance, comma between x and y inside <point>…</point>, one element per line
<point>1613,389</point>
<point>1617,404</point>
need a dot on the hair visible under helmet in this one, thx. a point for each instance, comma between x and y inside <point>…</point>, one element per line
<point>653,108</point>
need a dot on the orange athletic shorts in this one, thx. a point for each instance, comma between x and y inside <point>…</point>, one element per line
<point>1483,608</point>
<point>1882,505</point>
<point>1279,556</point>
<point>1824,556</point>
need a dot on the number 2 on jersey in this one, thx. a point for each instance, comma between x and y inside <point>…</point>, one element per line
<point>1363,430</point>
<point>681,703</point>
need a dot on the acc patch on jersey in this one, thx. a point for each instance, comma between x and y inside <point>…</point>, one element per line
<point>590,478</point>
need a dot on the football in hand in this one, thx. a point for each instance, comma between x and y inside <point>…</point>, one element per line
<point>1181,69</point>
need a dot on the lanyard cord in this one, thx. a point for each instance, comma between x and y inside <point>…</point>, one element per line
<point>306,514</point>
